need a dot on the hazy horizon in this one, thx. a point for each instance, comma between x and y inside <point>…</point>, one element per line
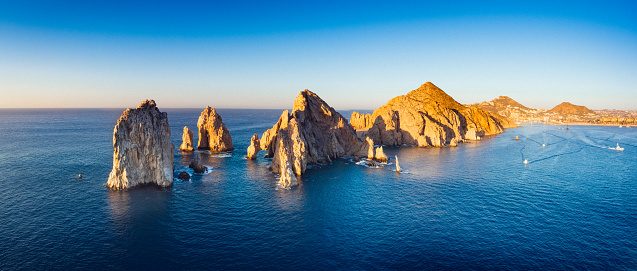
<point>355,55</point>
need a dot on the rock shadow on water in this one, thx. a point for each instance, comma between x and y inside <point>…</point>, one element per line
<point>138,208</point>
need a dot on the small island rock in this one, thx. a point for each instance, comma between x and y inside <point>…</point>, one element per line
<point>186,139</point>
<point>143,153</point>
<point>213,134</point>
<point>254,148</point>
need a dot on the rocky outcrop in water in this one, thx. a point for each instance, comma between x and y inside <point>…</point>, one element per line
<point>184,176</point>
<point>254,148</point>
<point>197,165</point>
<point>288,179</point>
<point>313,133</point>
<point>213,134</point>
<point>428,117</point>
<point>143,153</point>
<point>186,139</point>
<point>398,169</point>
<point>380,155</point>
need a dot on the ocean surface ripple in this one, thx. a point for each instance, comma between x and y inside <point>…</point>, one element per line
<point>476,206</point>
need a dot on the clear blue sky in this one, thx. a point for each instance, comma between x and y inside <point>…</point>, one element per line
<point>354,54</point>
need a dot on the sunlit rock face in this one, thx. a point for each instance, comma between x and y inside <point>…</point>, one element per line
<point>213,134</point>
<point>360,121</point>
<point>143,153</point>
<point>254,148</point>
<point>186,140</point>
<point>313,133</point>
<point>428,117</point>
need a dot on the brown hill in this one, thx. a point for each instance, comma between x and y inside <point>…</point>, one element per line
<point>567,108</point>
<point>504,102</point>
<point>428,116</point>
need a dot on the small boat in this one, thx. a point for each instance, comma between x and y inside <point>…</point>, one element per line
<point>543,145</point>
<point>620,126</point>
<point>618,148</point>
<point>526,161</point>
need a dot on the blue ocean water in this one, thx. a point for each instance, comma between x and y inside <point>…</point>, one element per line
<point>472,207</point>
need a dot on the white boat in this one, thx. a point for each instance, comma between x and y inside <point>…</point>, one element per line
<point>526,161</point>
<point>620,126</point>
<point>618,148</point>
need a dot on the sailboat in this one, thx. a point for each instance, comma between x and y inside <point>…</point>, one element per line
<point>618,148</point>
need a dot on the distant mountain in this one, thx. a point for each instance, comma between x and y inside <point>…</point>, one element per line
<point>510,108</point>
<point>567,108</point>
<point>563,113</point>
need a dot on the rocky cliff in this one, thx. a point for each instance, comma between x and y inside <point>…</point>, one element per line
<point>213,134</point>
<point>143,153</point>
<point>313,133</point>
<point>428,116</point>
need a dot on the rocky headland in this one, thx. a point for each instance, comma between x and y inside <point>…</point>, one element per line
<point>427,117</point>
<point>314,133</point>
<point>213,134</point>
<point>143,153</point>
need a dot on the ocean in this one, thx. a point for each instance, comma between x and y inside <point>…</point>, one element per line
<point>477,206</point>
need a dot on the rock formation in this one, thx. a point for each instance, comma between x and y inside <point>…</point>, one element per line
<point>428,116</point>
<point>398,169</point>
<point>360,121</point>
<point>197,166</point>
<point>254,148</point>
<point>213,134</point>
<point>184,176</point>
<point>380,155</point>
<point>288,179</point>
<point>313,133</point>
<point>143,153</point>
<point>186,139</point>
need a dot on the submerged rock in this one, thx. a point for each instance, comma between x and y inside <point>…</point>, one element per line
<point>197,166</point>
<point>143,153</point>
<point>184,176</point>
<point>254,148</point>
<point>186,139</point>
<point>213,134</point>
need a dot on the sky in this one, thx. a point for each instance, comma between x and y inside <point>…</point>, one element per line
<point>353,54</point>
